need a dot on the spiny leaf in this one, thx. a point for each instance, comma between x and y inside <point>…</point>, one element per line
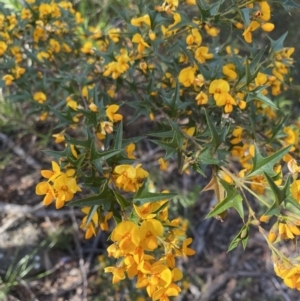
<point>143,196</point>
<point>216,138</point>
<point>265,165</point>
<point>105,199</point>
<point>232,199</point>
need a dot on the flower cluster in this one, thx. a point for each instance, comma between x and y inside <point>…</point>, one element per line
<point>134,246</point>
<point>162,70</point>
<point>60,186</point>
<point>289,272</point>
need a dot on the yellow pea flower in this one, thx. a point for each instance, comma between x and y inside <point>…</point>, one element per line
<point>186,251</point>
<point>137,39</point>
<point>211,30</point>
<point>218,86</point>
<point>93,107</point>
<point>292,136</point>
<point>149,231</point>
<point>107,127</point>
<point>114,34</point>
<point>202,98</point>
<point>127,235</point>
<point>60,137</point>
<point>139,21</point>
<point>145,211</point>
<point>40,97</point>
<point>265,11</point>
<point>45,188</point>
<point>261,79</point>
<point>248,31</point>
<point>44,10</point>
<point>65,188</point>
<point>295,190</point>
<point>103,221</point>
<point>90,228</point>
<point>187,76</point>
<point>163,294</point>
<point>267,27</point>
<point>118,273</point>
<point>229,71</point>
<point>3,47</point>
<point>129,178</point>
<point>129,149</point>
<point>194,37</point>
<point>237,134</point>
<point>8,79</point>
<point>25,14</point>
<point>163,165</point>
<point>72,103</point>
<point>87,48</point>
<point>288,231</point>
<point>202,54</point>
<point>111,113</point>
<point>54,46</point>
<point>42,55</point>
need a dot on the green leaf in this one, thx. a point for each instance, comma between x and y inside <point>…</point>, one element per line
<point>275,130</point>
<point>288,4</point>
<point>232,200</point>
<point>143,196</point>
<point>104,155</point>
<point>172,145</point>
<point>204,9</point>
<point>84,143</point>
<point>259,96</point>
<point>245,14</point>
<point>93,209</point>
<point>105,199</point>
<point>279,195</point>
<point>121,200</point>
<point>277,44</point>
<point>118,137</point>
<point>265,165</point>
<point>206,157</point>
<point>240,237</point>
<point>169,147</point>
<point>216,138</point>
<point>56,154</point>
<point>172,100</point>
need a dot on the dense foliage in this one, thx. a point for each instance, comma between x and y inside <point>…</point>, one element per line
<point>209,80</point>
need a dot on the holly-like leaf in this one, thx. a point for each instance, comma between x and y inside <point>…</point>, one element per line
<point>216,138</point>
<point>105,199</point>
<point>279,194</point>
<point>121,200</point>
<point>170,146</point>
<point>288,5</point>
<point>259,96</point>
<point>265,165</point>
<point>232,200</point>
<point>277,44</point>
<point>143,196</point>
<point>206,157</point>
<point>245,14</point>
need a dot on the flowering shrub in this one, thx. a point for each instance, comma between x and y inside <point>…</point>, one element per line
<point>214,102</point>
